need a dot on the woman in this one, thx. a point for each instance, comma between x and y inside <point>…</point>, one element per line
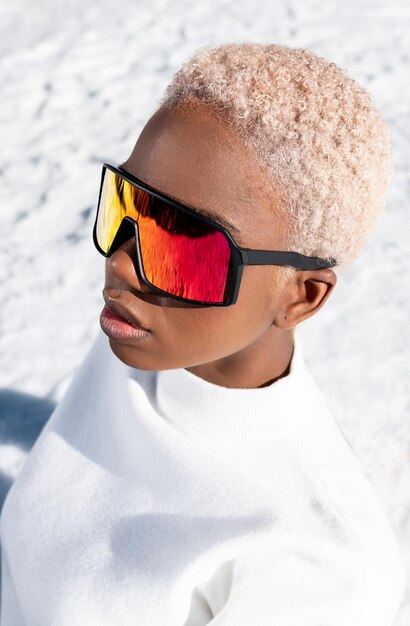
<point>193,472</point>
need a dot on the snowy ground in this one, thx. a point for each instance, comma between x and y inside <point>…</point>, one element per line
<point>78,81</point>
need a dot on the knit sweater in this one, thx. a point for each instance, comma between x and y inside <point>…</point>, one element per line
<point>156,498</point>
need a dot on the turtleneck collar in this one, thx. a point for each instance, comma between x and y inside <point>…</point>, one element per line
<point>284,406</point>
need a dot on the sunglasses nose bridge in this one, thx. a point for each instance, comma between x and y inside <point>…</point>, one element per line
<point>131,233</point>
<point>138,249</point>
<point>126,232</point>
<point>123,234</point>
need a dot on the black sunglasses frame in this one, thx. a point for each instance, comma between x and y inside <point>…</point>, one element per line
<point>239,256</point>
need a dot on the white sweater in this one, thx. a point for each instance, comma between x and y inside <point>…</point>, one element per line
<point>160,499</point>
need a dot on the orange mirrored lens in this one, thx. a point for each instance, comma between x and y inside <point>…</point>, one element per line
<point>118,200</point>
<point>181,255</point>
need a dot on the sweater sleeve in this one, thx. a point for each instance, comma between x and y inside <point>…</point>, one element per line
<point>301,587</point>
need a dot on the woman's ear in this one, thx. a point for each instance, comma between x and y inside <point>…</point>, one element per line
<point>307,292</point>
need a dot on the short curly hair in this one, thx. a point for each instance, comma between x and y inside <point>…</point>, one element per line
<point>324,147</point>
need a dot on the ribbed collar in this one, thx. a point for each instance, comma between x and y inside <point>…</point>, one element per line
<point>286,406</point>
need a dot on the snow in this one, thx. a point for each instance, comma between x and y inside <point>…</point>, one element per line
<point>78,82</point>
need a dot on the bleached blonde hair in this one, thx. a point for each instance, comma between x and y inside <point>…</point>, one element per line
<point>322,144</point>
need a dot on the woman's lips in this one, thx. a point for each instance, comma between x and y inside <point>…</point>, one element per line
<point>119,328</point>
<point>120,309</point>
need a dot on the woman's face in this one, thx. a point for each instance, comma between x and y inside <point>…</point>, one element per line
<point>192,157</point>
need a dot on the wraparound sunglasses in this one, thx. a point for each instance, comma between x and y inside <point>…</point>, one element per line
<point>181,253</point>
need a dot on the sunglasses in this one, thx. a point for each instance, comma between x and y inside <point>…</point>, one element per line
<point>180,253</point>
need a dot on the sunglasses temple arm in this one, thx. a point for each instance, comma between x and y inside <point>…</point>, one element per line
<point>278,257</point>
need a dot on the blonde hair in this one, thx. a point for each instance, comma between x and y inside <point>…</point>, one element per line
<point>324,147</point>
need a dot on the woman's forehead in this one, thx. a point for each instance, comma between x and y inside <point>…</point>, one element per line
<point>192,157</point>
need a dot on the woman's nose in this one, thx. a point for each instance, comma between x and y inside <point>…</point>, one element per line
<point>123,264</point>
